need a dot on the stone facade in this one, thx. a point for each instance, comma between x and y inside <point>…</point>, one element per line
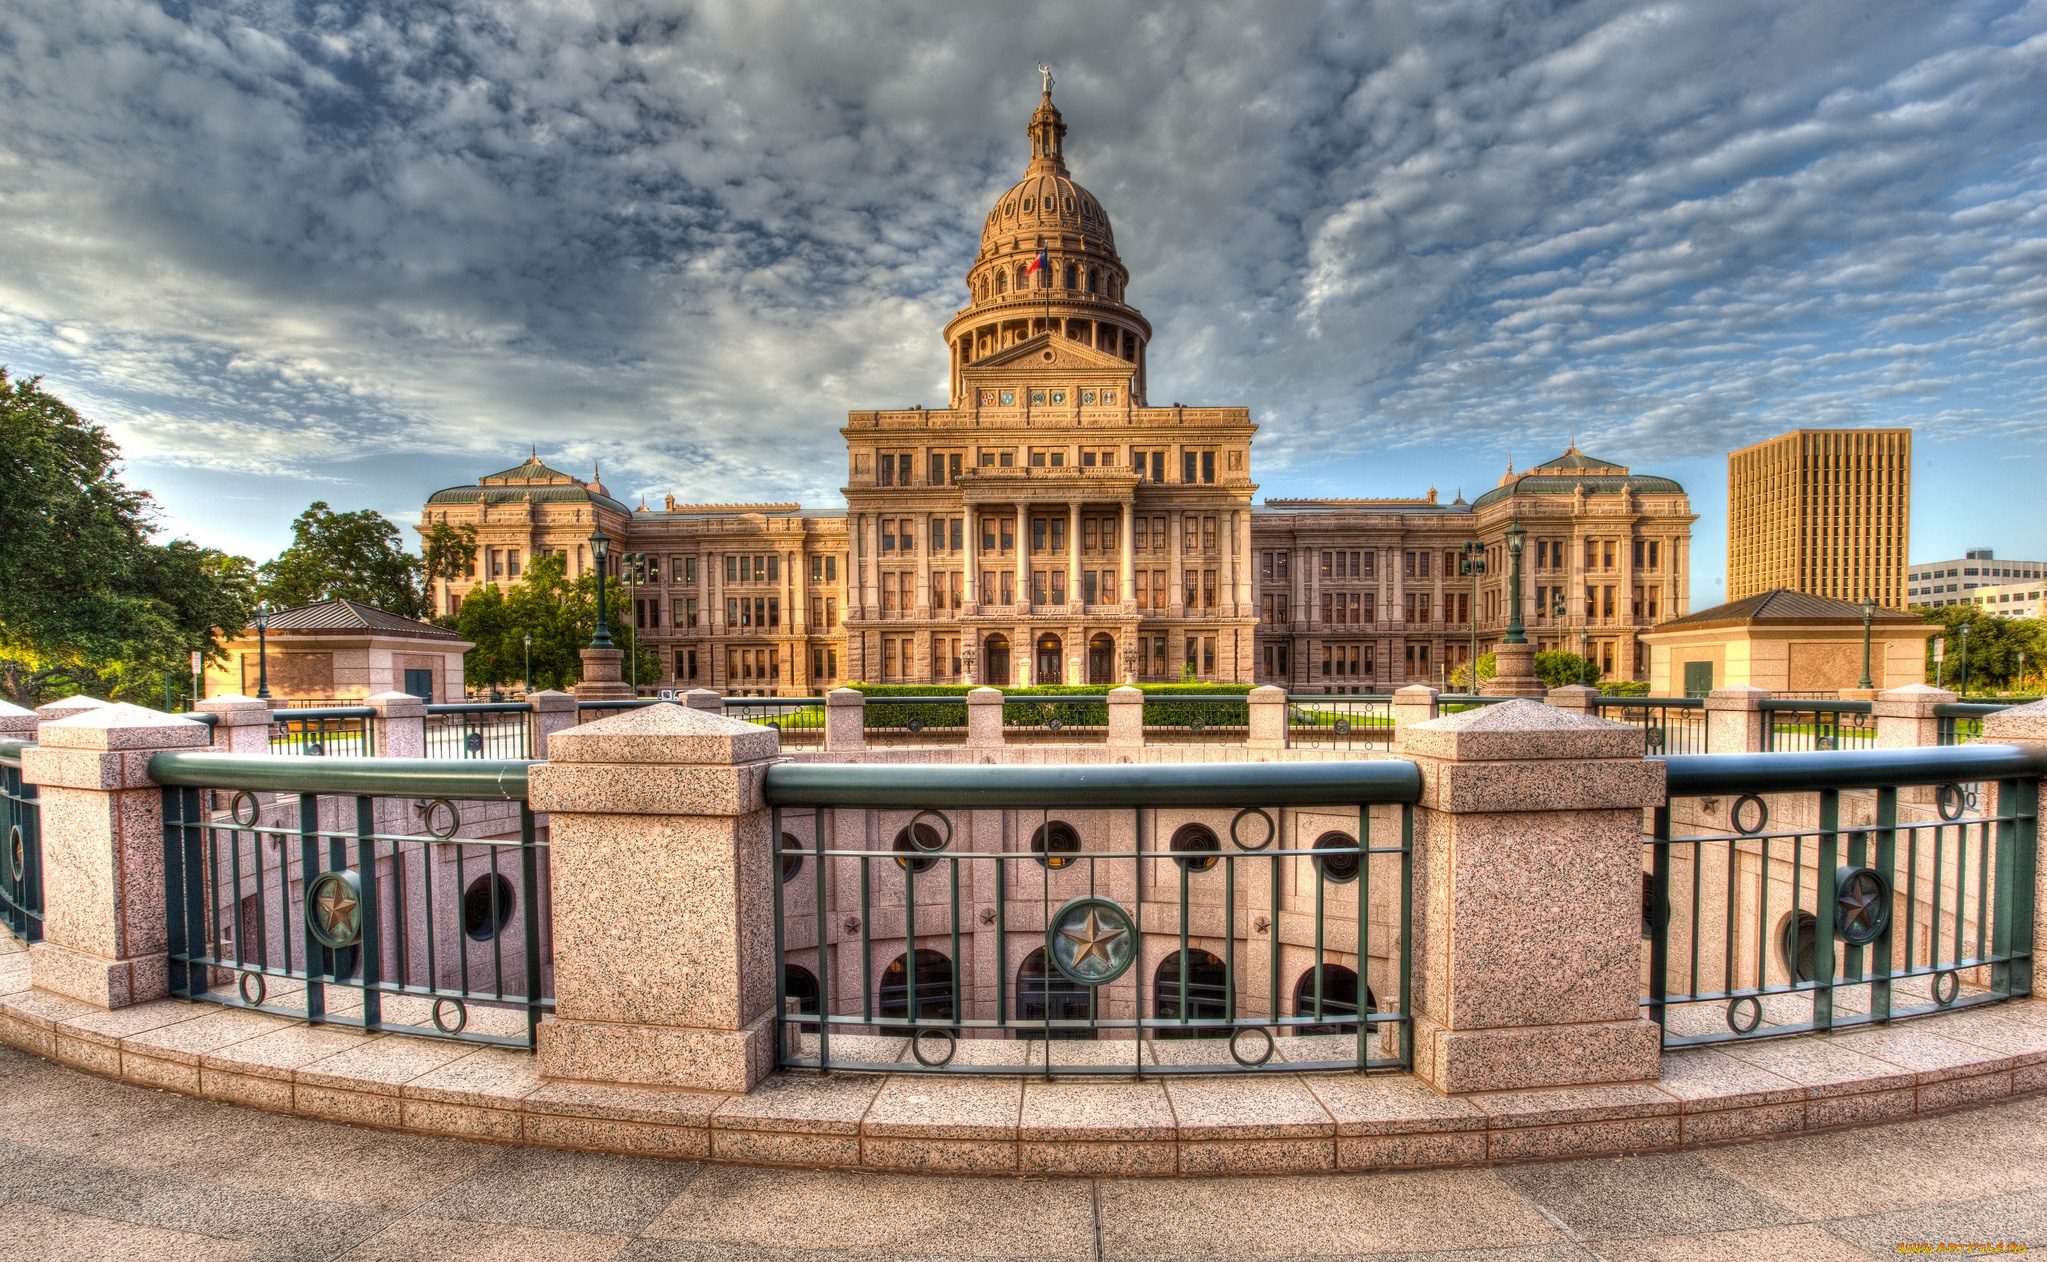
<point>1052,525</point>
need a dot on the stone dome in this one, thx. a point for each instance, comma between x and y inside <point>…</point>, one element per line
<point>1045,203</point>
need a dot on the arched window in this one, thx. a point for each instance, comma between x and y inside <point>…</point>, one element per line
<point>1339,999</point>
<point>1072,277</point>
<point>1044,993</point>
<point>933,986</point>
<point>1055,844</point>
<point>1002,282</point>
<point>800,984</point>
<point>1203,995</point>
<point>1199,843</point>
<point>1094,280</point>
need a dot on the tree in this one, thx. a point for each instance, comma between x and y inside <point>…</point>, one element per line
<point>447,553</point>
<point>357,556</point>
<point>1553,669</point>
<point>1994,647</point>
<point>89,601</point>
<point>559,613</point>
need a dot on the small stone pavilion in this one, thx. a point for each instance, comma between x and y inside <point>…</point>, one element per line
<point>341,651</point>
<point>1788,642</point>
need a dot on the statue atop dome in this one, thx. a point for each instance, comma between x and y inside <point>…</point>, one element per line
<point>1046,70</point>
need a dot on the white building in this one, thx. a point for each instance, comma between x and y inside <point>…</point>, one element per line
<point>1940,583</point>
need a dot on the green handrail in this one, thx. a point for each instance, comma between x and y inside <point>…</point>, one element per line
<point>501,780</point>
<point>1695,775</point>
<point>1089,787</point>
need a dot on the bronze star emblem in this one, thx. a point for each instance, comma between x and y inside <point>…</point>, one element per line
<point>1092,939</point>
<point>337,907</point>
<point>1859,903</point>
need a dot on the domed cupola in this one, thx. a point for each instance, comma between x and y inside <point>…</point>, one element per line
<point>1047,261</point>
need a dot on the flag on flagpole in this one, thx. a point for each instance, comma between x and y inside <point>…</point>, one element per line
<point>1042,263</point>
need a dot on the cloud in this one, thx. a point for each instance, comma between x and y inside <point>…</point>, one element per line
<point>685,239</point>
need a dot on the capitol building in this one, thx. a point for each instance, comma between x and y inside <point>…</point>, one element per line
<point>1051,524</point>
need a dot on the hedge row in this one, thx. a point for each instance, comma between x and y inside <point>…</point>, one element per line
<point>1037,706</point>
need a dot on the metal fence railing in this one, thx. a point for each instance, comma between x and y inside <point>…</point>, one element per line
<point>1670,725</point>
<point>334,731</point>
<point>1336,721</point>
<point>1070,720</point>
<point>933,720</point>
<point>1260,909</point>
<point>800,720</point>
<point>1958,722</point>
<point>1794,725</point>
<point>397,895</point>
<point>1837,889</point>
<point>21,865</point>
<point>480,729</point>
<point>1218,719</point>
<point>591,711</point>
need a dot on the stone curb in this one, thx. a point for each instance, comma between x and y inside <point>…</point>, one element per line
<point>1277,1124</point>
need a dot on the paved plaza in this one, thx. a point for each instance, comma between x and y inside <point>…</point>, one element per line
<point>99,1169</point>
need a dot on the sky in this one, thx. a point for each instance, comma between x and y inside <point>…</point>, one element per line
<point>359,252</point>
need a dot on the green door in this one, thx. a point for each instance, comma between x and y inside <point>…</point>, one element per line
<point>420,683</point>
<point>1698,678</point>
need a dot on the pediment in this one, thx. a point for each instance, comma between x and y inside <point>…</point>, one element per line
<point>1066,355</point>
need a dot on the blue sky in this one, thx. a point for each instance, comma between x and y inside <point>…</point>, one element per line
<point>290,251</point>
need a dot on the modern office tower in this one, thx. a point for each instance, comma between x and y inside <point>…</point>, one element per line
<point>1821,511</point>
<point>1957,582</point>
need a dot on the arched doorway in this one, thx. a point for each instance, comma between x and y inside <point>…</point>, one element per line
<point>1101,659</point>
<point>1051,662</point>
<point>933,984</point>
<point>1043,992</point>
<point>800,984</point>
<point>1205,997</point>
<point>1339,999</point>
<point>995,659</point>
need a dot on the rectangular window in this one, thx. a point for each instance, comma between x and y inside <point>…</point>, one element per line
<point>1208,466</point>
<point>1058,534</point>
<point>774,611</point>
<point>774,567</point>
<point>1208,589</point>
<point>1039,527</point>
<point>1088,536</point>
<point>957,528</point>
<point>1039,589</point>
<point>831,611</point>
<point>1190,463</point>
<point>1208,533</point>
<point>1058,587</point>
<point>1606,552</point>
<point>1190,588</point>
<point>1159,542</point>
<point>1137,532</point>
<point>731,568</point>
<point>732,604</point>
<point>1191,534</point>
<point>1655,548</point>
<point>1591,554</point>
<point>1088,590</point>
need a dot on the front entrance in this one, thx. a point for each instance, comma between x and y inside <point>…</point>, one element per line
<point>1101,659</point>
<point>995,660</point>
<point>1051,662</point>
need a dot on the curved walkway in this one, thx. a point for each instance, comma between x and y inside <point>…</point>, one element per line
<point>91,1168</point>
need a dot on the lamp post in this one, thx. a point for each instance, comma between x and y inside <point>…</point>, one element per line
<point>262,653</point>
<point>527,640</point>
<point>1130,666</point>
<point>1965,661</point>
<point>600,552</point>
<point>1868,612</point>
<point>633,562</point>
<point>1584,654</point>
<point>1516,633</point>
<point>1473,563</point>
<point>967,655</point>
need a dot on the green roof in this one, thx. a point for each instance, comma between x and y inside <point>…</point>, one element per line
<point>1573,469</point>
<point>534,481</point>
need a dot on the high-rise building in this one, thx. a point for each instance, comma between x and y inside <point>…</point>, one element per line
<point>1051,524</point>
<point>1938,583</point>
<point>1827,512</point>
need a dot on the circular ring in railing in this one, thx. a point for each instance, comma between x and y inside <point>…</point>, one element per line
<point>1946,980</point>
<point>914,726</point>
<point>1823,742</point>
<point>1195,725</point>
<point>1950,800</point>
<point>461,1016</point>
<point>235,813</point>
<point>1969,799</point>
<point>1862,905</point>
<point>17,854</point>
<point>1258,813</point>
<point>776,724</point>
<point>262,989</point>
<point>1652,740</point>
<point>1744,1014</point>
<point>1053,724</point>
<point>919,837</point>
<point>932,1060</point>
<point>316,750</point>
<point>1258,1058</point>
<point>1744,806</point>
<point>473,742</point>
<point>1341,727</point>
<point>429,815</point>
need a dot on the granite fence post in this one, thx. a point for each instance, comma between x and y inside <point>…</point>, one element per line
<point>1905,717</point>
<point>662,871</point>
<point>398,729</point>
<point>707,700</point>
<point>603,676</point>
<point>241,725</point>
<point>845,716</point>
<point>1734,720</point>
<point>1527,899</point>
<point>1126,717</point>
<point>1268,718</point>
<point>552,712</point>
<point>1415,703</point>
<point>103,847</point>
<point>984,718</point>
<point>1575,697</point>
<point>52,711</point>
<point>17,723</point>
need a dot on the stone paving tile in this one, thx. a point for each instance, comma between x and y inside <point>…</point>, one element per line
<point>1803,1242</point>
<point>1663,1194</point>
<point>37,1231</point>
<point>890,1215</point>
<point>1336,1215</point>
<point>2013,1217</point>
<point>433,1240</point>
<point>564,1191</point>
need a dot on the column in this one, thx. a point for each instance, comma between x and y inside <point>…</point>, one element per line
<point>241,725</point>
<point>1413,704</point>
<point>103,853</point>
<point>1073,552</point>
<point>1268,718</point>
<point>659,835</point>
<point>1127,574</point>
<point>552,712</point>
<point>1576,697</point>
<point>1734,720</point>
<point>845,718</point>
<point>1507,994</point>
<point>927,599</point>
<point>1176,591</point>
<point>1126,717</point>
<point>1023,554</point>
<point>399,728</point>
<point>984,718</point>
<point>971,579</point>
<point>1905,717</point>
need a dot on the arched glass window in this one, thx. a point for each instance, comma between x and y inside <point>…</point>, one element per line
<point>1043,992</point>
<point>800,984</point>
<point>1094,280</point>
<point>1339,999</point>
<point>1198,842</point>
<point>1002,282</point>
<point>1072,276</point>
<point>1203,995</point>
<point>933,986</point>
<point>1055,844</point>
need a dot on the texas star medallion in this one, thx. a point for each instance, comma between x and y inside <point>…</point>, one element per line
<point>334,902</point>
<point>1092,941</point>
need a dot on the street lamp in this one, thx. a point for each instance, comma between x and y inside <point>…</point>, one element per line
<point>527,639</point>
<point>967,655</point>
<point>600,552</point>
<point>262,653</point>
<point>1868,612</point>
<point>1965,661</point>
<point>1584,654</point>
<point>1473,563</point>
<point>633,563</point>
<point>1516,633</point>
